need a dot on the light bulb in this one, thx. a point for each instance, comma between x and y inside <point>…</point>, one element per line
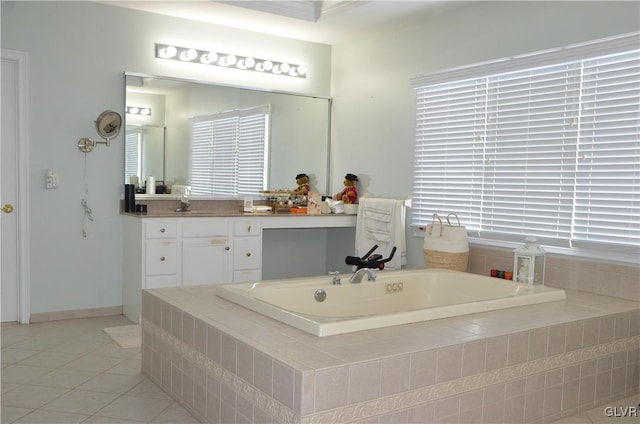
<point>250,62</point>
<point>188,55</point>
<point>231,60</point>
<point>168,52</point>
<point>134,110</point>
<point>145,111</point>
<point>207,58</point>
<point>285,67</point>
<point>259,67</point>
<point>267,65</point>
<point>302,70</point>
<point>276,69</point>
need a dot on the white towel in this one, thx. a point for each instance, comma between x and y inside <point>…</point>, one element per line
<point>381,222</point>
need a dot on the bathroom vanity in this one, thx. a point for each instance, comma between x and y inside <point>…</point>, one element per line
<point>191,249</point>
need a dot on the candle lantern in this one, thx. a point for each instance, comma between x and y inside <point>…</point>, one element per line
<point>528,262</point>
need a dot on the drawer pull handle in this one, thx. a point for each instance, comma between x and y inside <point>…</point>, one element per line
<point>248,253</point>
<point>162,230</point>
<point>226,248</point>
<point>249,229</point>
<point>162,258</point>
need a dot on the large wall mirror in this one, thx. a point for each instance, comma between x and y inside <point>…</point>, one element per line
<point>159,136</point>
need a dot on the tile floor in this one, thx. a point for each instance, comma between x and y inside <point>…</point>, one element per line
<point>72,372</point>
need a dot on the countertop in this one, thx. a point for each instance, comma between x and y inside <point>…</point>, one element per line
<point>223,213</point>
<point>267,221</point>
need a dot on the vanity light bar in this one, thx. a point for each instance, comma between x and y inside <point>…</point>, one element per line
<point>227,60</point>
<point>136,110</point>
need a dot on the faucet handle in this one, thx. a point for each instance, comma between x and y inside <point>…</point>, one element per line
<point>336,278</point>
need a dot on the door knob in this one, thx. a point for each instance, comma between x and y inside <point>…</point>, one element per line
<point>7,208</point>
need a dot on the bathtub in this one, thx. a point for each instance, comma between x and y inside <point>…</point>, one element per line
<point>318,307</point>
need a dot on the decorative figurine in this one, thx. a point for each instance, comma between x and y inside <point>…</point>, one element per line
<point>350,194</point>
<point>303,184</point>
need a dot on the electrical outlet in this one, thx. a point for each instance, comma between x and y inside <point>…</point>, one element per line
<point>51,180</point>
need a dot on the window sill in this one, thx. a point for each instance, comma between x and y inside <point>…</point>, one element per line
<point>615,257</point>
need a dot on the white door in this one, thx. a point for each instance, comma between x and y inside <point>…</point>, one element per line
<point>11,265</point>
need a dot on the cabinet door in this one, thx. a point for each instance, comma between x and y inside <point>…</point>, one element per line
<point>161,257</point>
<point>205,261</point>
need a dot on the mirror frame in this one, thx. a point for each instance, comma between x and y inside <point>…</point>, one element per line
<point>327,182</point>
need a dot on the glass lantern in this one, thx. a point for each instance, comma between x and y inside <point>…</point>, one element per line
<point>528,262</point>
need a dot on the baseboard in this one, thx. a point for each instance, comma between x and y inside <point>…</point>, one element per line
<point>76,313</point>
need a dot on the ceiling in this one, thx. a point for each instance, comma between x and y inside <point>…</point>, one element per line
<point>326,22</point>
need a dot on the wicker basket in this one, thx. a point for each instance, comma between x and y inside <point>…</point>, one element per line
<point>446,260</point>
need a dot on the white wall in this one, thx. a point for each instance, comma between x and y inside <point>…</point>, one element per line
<point>374,108</point>
<point>78,53</point>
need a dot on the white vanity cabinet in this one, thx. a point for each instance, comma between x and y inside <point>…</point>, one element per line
<point>174,252</point>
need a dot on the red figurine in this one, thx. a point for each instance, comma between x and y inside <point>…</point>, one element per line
<point>350,194</point>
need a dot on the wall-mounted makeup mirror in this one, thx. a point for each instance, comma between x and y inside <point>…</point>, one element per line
<point>299,127</point>
<point>108,126</point>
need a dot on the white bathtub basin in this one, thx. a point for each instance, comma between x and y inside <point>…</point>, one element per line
<point>397,297</point>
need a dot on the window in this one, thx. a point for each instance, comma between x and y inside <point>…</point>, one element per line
<point>546,144</point>
<point>132,146</point>
<point>229,152</point>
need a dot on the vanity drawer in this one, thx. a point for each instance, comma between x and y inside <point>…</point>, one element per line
<point>160,229</point>
<point>247,228</point>
<point>161,257</point>
<point>247,253</point>
<point>218,228</point>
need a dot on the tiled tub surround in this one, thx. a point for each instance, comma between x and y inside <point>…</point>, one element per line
<point>536,363</point>
<point>565,272</point>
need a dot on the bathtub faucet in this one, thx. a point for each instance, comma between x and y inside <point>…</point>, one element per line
<point>357,276</point>
<point>184,203</point>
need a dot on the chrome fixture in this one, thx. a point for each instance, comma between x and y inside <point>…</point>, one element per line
<point>357,276</point>
<point>108,126</point>
<point>184,203</point>
<point>336,278</point>
<point>320,295</point>
<point>229,60</point>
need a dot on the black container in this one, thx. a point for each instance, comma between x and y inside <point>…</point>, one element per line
<point>129,198</point>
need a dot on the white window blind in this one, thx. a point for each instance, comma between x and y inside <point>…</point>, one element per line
<point>229,152</point>
<point>551,150</point>
<point>608,166</point>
